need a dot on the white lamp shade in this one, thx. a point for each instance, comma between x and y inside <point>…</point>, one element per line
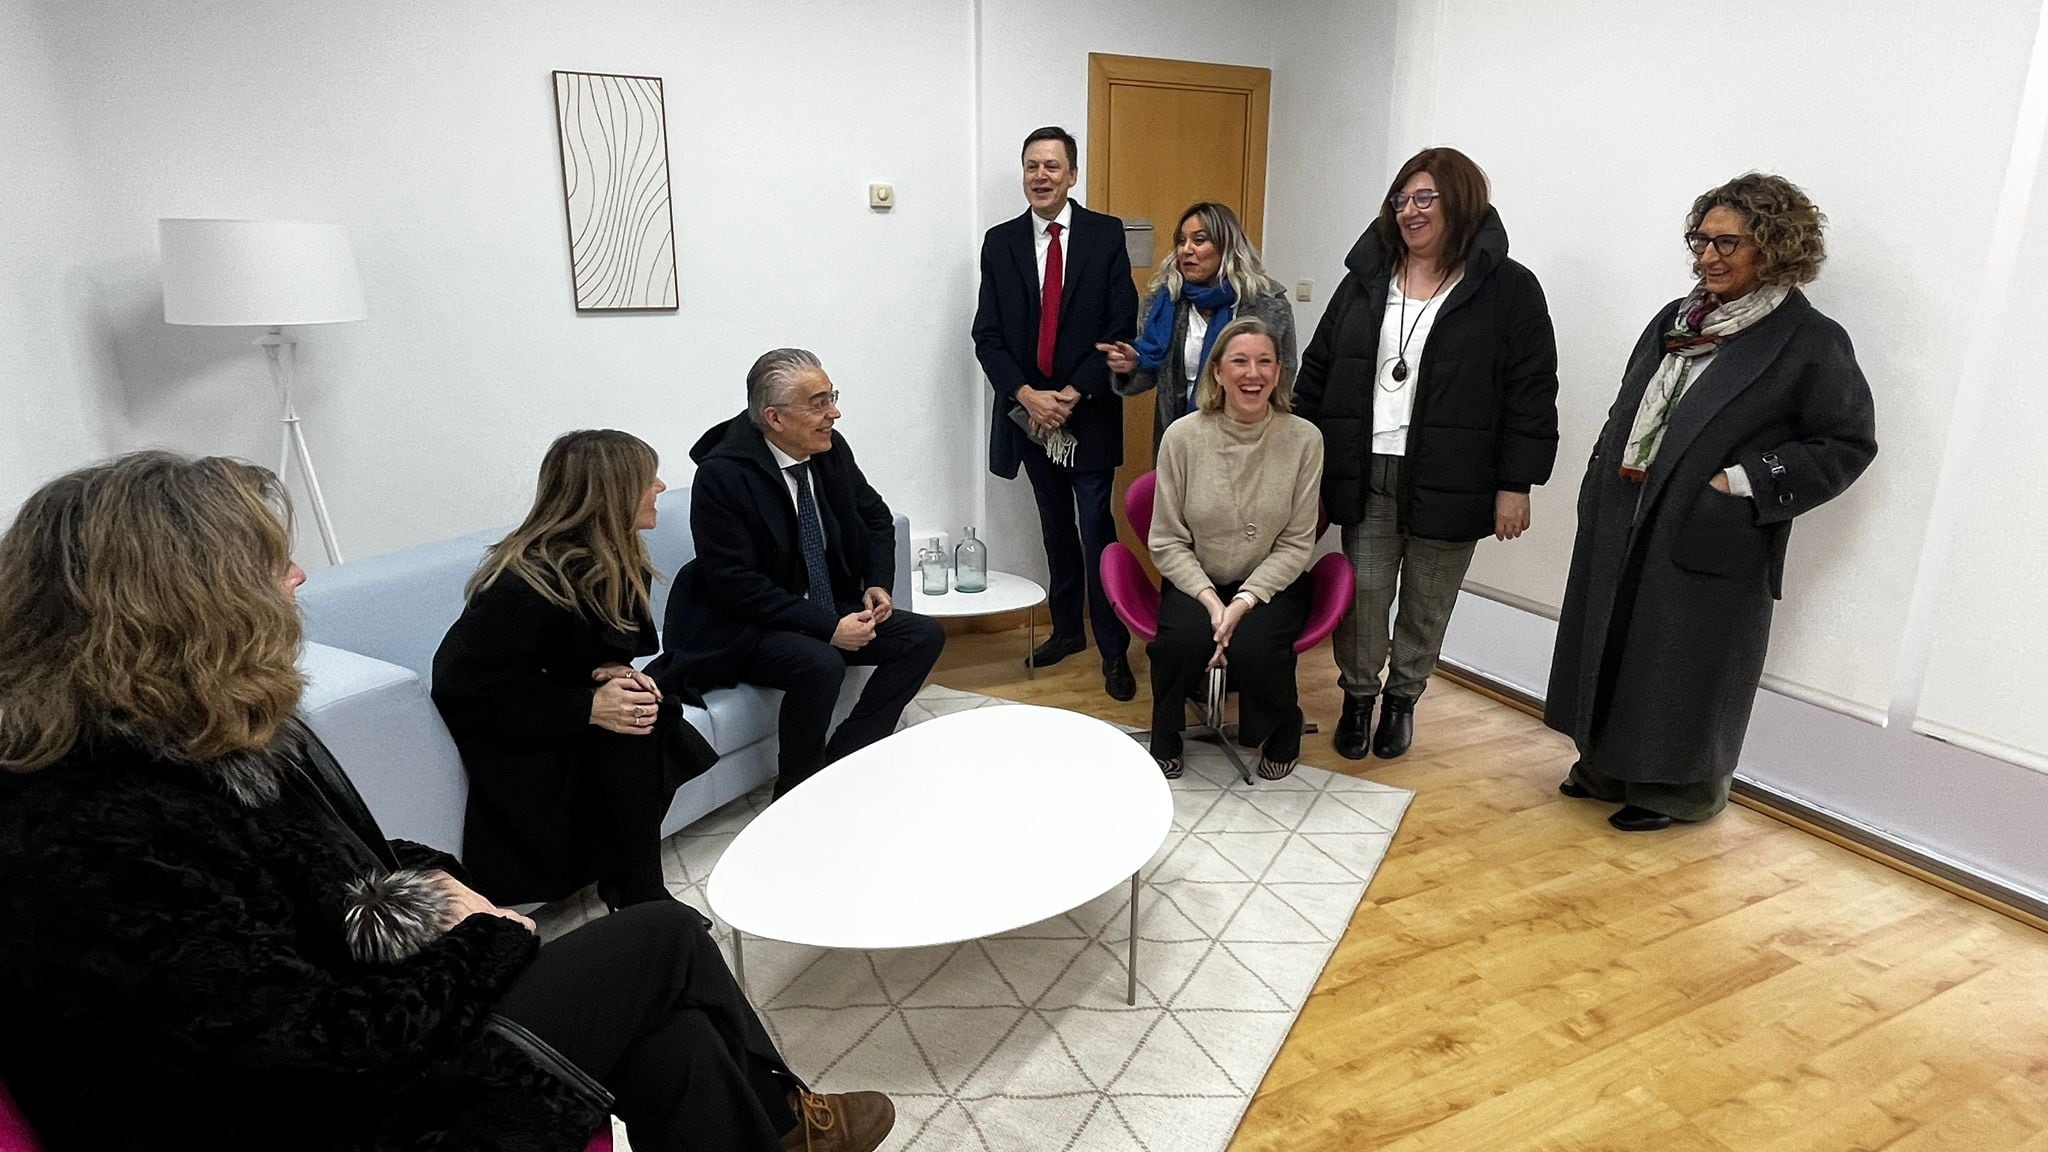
<point>266,273</point>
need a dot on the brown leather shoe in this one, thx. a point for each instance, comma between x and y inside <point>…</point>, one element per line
<point>839,1121</point>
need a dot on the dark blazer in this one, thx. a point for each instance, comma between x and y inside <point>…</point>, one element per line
<point>1485,415</point>
<point>174,971</point>
<point>512,680</point>
<point>749,575</point>
<point>1667,610</point>
<point>1098,304</point>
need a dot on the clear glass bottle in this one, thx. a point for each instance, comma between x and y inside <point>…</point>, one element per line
<point>931,565</point>
<point>970,564</point>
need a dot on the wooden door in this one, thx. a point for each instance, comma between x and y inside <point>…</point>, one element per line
<point>1164,134</point>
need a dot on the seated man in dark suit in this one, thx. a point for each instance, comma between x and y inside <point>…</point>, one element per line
<point>795,558</point>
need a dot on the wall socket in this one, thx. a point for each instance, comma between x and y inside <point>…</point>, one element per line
<point>1304,290</point>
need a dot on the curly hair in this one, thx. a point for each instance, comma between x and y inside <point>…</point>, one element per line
<point>579,546</point>
<point>1209,390</point>
<point>144,598</point>
<point>1784,223</point>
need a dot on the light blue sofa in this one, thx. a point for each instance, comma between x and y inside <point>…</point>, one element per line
<point>372,627</point>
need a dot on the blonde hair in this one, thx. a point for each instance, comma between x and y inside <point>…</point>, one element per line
<point>144,598</point>
<point>580,545</point>
<point>1209,393</point>
<point>1240,267</point>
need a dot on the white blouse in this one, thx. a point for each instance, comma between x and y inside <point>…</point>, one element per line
<point>1393,401</point>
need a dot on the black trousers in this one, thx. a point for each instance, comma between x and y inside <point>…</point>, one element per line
<point>810,672</point>
<point>1074,562</point>
<point>622,798</point>
<point>1261,659</point>
<point>643,1001</point>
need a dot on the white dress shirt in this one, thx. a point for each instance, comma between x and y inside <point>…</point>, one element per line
<point>1041,238</point>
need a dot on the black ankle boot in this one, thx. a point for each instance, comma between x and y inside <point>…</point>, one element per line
<point>1353,726</point>
<point>1397,727</point>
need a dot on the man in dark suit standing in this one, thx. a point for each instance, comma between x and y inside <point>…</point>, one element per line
<point>795,557</point>
<point>1055,282</point>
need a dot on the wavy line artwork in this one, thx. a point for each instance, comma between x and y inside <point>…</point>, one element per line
<point>622,241</point>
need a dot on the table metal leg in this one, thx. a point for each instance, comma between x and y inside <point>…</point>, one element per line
<point>1131,993</point>
<point>1030,642</point>
<point>739,960</point>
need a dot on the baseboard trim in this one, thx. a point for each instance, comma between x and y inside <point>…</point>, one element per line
<point>2026,907</point>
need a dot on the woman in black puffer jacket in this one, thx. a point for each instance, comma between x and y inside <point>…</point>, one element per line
<point>204,939</point>
<point>1433,377</point>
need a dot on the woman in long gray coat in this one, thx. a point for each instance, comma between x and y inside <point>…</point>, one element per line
<point>1211,277</point>
<point>1742,407</point>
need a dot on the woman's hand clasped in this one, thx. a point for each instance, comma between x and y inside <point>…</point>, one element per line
<point>627,705</point>
<point>464,902</point>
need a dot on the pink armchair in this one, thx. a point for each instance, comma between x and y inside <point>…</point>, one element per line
<point>1136,600</point>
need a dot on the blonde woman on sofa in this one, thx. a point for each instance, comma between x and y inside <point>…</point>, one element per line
<point>572,755</point>
<point>208,941</point>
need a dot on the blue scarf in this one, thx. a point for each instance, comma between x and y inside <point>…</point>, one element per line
<point>1157,334</point>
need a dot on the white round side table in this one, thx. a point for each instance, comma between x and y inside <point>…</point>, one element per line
<point>1006,592</point>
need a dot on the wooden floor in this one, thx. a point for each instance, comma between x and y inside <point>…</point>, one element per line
<point>1521,976</point>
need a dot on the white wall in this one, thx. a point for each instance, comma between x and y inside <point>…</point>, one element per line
<point>49,361</point>
<point>428,129</point>
<point>1599,121</point>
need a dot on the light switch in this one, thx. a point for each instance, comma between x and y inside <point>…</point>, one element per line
<point>1304,289</point>
<point>881,197</point>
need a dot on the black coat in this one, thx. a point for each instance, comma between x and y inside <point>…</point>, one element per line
<point>1098,304</point>
<point>1667,611</point>
<point>1485,415</point>
<point>174,974</point>
<point>749,575</point>
<point>512,680</point>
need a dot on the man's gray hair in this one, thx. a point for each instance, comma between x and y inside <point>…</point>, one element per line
<point>773,377</point>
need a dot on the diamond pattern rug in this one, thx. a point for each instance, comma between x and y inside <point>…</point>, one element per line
<point>1023,1041</point>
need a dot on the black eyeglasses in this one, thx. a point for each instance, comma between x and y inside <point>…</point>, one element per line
<point>1422,199</point>
<point>1725,245</point>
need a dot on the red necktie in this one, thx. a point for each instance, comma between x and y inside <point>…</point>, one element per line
<point>1049,303</point>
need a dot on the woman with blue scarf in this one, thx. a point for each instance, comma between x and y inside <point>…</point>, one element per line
<point>1211,277</point>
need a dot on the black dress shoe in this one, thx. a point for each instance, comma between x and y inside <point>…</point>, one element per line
<point>1397,727</point>
<point>1353,727</point>
<point>1117,679</point>
<point>1055,649</point>
<point>1574,789</point>
<point>1634,819</point>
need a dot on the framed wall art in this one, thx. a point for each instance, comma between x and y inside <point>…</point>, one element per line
<point>613,132</point>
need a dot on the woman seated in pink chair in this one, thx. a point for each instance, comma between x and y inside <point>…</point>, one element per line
<point>1233,530</point>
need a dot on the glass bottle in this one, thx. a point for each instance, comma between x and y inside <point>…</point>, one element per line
<point>931,564</point>
<point>970,564</point>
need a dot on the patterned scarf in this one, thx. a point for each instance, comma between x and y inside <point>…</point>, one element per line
<point>1702,325</point>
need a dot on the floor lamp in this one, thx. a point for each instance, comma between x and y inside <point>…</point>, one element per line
<point>267,274</point>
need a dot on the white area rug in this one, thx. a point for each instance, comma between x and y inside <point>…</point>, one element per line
<point>1023,1041</point>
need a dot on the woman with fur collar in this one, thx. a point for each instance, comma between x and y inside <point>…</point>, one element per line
<point>204,938</point>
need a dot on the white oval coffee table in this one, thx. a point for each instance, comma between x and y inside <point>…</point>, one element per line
<point>960,827</point>
<point>1006,592</point>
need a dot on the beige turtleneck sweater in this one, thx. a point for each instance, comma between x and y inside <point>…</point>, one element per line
<point>1236,502</point>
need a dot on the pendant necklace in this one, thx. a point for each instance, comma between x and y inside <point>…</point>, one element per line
<point>1401,323</point>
